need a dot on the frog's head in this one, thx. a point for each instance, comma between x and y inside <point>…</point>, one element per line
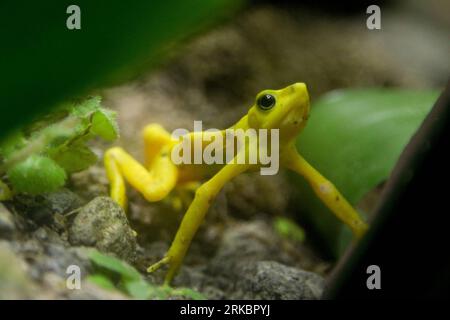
<point>285,109</point>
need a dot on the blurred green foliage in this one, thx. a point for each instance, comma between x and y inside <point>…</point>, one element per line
<point>289,229</point>
<point>114,274</point>
<point>44,63</point>
<point>39,157</point>
<point>354,138</point>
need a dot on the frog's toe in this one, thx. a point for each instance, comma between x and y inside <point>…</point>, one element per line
<point>176,203</point>
<point>158,264</point>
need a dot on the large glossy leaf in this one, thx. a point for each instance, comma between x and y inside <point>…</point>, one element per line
<point>43,63</point>
<point>354,137</point>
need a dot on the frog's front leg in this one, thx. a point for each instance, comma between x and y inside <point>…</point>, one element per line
<point>326,191</point>
<point>204,196</point>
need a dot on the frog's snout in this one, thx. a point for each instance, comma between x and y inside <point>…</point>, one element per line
<point>300,100</point>
<point>298,87</point>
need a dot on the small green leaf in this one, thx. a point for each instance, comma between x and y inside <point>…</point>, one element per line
<point>139,289</point>
<point>289,229</point>
<point>37,174</point>
<point>101,281</point>
<point>83,111</point>
<point>104,124</point>
<point>127,272</point>
<point>87,107</point>
<point>75,158</point>
<point>189,293</point>
<point>132,283</point>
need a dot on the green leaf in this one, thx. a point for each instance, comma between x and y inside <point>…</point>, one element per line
<point>37,174</point>
<point>104,124</point>
<point>127,272</point>
<point>86,107</point>
<point>101,281</point>
<point>189,293</point>
<point>132,282</point>
<point>289,229</point>
<point>140,289</point>
<point>75,158</point>
<point>83,111</point>
<point>354,138</point>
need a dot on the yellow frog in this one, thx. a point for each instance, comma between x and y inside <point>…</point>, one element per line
<point>286,110</point>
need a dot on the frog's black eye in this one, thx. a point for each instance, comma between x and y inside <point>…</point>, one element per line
<point>266,102</point>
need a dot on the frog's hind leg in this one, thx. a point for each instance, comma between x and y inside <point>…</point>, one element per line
<point>154,180</point>
<point>155,139</point>
<point>154,184</point>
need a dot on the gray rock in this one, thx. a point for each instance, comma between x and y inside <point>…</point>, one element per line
<point>14,281</point>
<point>243,261</point>
<point>7,226</point>
<point>102,223</point>
<point>63,201</point>
<point>58,258</point>
<point>246,242</point>
<point>269,280</point>
<point>42,209</point>
<point>253,262</point>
